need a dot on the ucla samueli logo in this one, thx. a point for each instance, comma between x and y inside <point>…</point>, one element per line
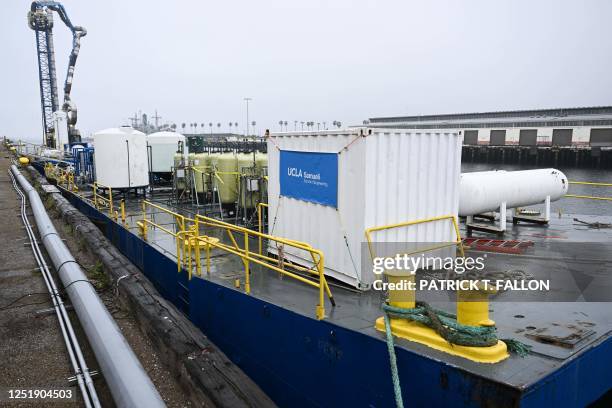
<point>294,172</point>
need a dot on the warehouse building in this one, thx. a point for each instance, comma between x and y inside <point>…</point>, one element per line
<point>589,127</point>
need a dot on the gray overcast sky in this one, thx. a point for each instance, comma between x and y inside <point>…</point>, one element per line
<point>310,60</point>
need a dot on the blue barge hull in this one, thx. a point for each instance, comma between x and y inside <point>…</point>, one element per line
<point>302,362</point>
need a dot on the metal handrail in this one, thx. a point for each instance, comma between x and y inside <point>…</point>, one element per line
<point>259,223</point>
<point>106,201</point>
<point>248,256</point>
<point>63,177</point>
<point>458,242</point>
<point>588,197</point>
<point>180,236</point>
<point>189,242</point>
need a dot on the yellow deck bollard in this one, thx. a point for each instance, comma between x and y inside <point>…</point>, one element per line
<point>473,307</point>
<point>403,297</point>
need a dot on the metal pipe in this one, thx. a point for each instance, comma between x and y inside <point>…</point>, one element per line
<point>128,382</point>
<point>82,374</point>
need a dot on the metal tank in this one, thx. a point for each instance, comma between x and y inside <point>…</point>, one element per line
<point>484,191</point>
<point>261,160</point>
<point>226,167</point>
<point>121,158</point>
<point>200,165</point>
<point>162,148</point>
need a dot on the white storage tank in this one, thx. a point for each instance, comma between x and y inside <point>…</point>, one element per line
<point>326,188</point>
<point>162,148</point>
<point>120,156</point>
<point>484,191</point>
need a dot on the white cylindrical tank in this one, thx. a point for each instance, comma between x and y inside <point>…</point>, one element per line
<point>121,158</point>
<point>162,148</point>
<point>484,191</point>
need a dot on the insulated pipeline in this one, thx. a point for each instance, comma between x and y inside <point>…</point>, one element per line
<point>75,354</point>
<point>128,382</point>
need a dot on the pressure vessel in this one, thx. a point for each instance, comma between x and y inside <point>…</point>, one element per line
<point>484,191</point>
<point>261,160</point>
<point>226,167</point>
<point>199,166</point>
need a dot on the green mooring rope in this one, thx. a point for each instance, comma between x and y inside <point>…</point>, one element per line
<point>446,325</point>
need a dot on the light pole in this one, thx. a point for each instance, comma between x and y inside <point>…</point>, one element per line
<point>247,115</point>
<point>295,125</point>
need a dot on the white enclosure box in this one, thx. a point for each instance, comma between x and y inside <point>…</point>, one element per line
<point>384,176</point>
<point>162,148</point>
<point>60,125</point>
<point>120,156</point>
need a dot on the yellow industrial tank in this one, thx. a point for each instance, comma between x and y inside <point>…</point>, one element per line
<point>261,160</point>
<point>245,160</point>
<point>200,169</point>
<point>226,167</point>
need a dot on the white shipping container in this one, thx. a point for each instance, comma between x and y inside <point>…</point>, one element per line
<point>385,176</point>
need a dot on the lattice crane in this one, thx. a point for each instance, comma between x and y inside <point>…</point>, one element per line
<point>56,122</point>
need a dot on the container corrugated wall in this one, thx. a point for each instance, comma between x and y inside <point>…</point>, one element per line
<point>384,177</point>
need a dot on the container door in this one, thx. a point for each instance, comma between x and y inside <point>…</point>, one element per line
<point>562,137</point>
<point>601,137</point>
<point>470,137</point>
<point>498,138</point>
<point>528,137</point>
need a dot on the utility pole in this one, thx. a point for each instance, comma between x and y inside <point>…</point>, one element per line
<point>157,118</point>
<point>247,115</point>
<point>134,120</point>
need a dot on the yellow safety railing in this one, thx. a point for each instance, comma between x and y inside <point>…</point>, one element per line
<point>260,207</point>
<point>63,177</point>
<point>179,235</point>
<point>102,200</point>
<point>458,242</point>
<point>588,197</point>
<point>190,242</point>
<point>248,256</point>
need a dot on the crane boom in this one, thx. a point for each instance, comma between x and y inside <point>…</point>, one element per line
<point>40,19</point>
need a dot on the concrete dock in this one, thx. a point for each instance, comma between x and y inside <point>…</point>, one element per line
<point>33,349</point>
<point>34,352</point>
